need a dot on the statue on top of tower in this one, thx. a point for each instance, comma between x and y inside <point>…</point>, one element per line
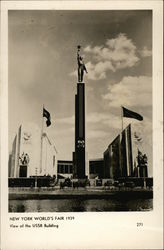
<point>81,65</point>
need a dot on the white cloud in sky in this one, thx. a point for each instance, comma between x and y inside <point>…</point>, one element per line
<point>98,71</point>
<point>103,127</point>
<point>130,91</point>
<point>145,52</point>
<point>107,120</point>
<point>118,53</point>
<point>94,119</point>
<point>95,134</point>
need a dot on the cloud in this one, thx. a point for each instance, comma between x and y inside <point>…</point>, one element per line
<point>98,71</point>
<point>94,118</point>
<point>67,120</point>
<point>118,53</point>
<point>145,52</point>
<point>130,91</point>
<point>107,120</point>
<point>96,134</point>
<point>98,125</point>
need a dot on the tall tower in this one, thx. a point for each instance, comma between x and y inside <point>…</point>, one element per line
<point>79,154</point>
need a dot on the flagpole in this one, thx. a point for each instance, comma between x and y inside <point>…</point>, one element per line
<point>41,144</point>
<point>53,137</point>
<point>122,117</point>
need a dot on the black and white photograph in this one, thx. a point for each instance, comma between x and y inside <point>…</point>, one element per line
<point>80,110</point>
<point>81,125</point>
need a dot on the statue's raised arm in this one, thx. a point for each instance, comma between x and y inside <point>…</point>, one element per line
<point>81,65</point>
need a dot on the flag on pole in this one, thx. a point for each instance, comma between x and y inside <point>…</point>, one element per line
<point>131,114</point>
<point>48,116</point>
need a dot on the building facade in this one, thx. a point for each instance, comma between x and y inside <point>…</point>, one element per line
<point>96,168</point>
<point>123,157</point>
<point>112,164</point>
<point>31,155</point>
<point>64,169</point>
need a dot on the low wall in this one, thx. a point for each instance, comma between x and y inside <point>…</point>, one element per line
<point>81,193</point>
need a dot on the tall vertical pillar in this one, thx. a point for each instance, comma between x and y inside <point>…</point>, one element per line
<point>79,155</point>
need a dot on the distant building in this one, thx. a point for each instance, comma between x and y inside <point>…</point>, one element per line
<point>64,169</point>
<point>96,168</point>
<point>27,159</point>
<point>123,158</point>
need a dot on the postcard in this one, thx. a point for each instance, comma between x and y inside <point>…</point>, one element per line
<point>81,125</point>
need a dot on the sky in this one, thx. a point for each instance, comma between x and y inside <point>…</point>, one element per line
<point>117,50</point>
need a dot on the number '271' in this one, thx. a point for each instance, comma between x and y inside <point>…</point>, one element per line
<point>139,224</point>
